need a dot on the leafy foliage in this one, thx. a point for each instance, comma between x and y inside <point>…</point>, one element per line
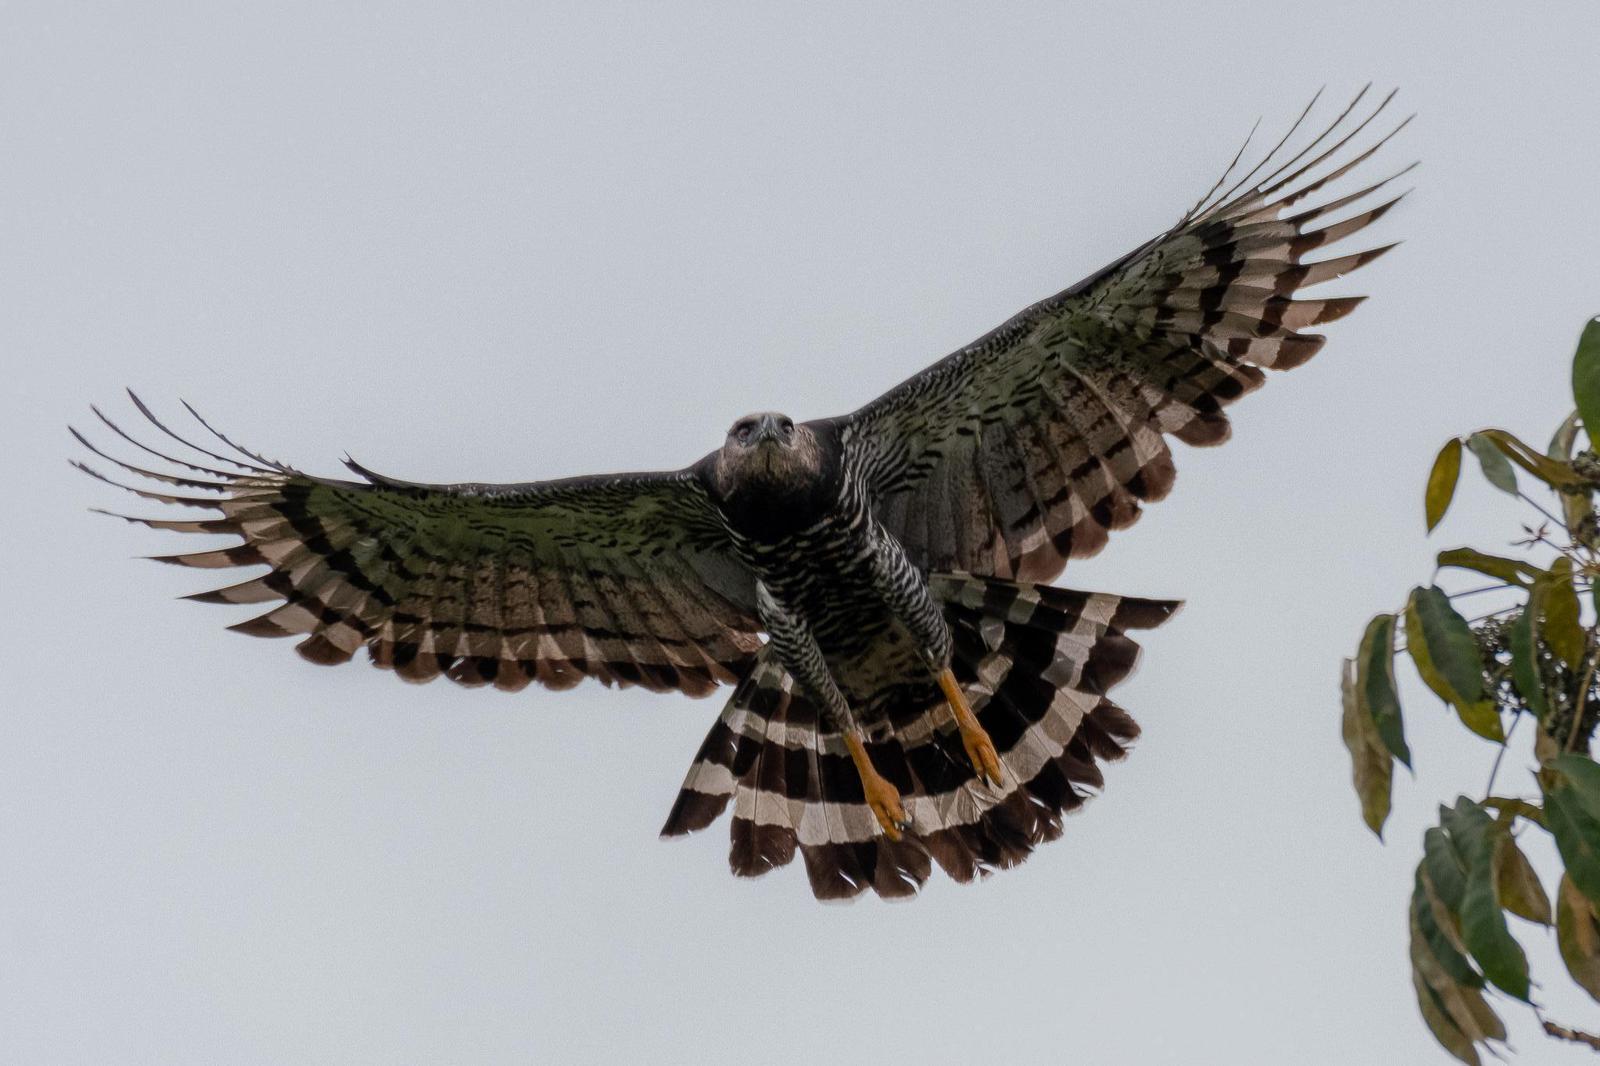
<point>1533,658</point>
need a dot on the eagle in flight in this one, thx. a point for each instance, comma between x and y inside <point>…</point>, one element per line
<point>908,689</point>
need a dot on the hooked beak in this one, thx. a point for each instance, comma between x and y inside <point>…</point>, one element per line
<point>766,430</point>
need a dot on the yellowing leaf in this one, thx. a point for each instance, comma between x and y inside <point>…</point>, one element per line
<point>1371,764</point>
<point>1558,620</point>
<point>1578,937</point>
<point>1516,884</point>
<point>1444,1030</point>
<point>1442,481</point>
<point>1511,571</point>
<point>1448,988</point>
<point>1475,836</point>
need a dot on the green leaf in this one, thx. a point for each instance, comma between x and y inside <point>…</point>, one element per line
<point>1447,985</point>
<point>1371,764</point>
<point>1586,377</point>
<point>1442,481</point>
<point>1446,655</point>
<point>1525,666</point>
<point>1441,931</point>
<point>1445,867</point>
<point>1496,467</point>
<point>1516,884</point>
<point>1375,688</point>
<point>1511,571</point>
<point>1553,473</point>
<point>1483,923</point>
<point>1572,808</point>
<point>1558,617</point>
<point>1578,937</point>
<point>1583,774</point>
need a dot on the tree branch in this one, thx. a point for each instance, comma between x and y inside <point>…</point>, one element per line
<point>1575,1036</point>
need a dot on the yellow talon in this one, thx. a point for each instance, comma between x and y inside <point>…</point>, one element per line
<point>882,797</point>
<point>980,749</point>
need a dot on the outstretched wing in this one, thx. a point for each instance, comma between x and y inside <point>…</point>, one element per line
<point>1023,449</point>
<point>623,578</point>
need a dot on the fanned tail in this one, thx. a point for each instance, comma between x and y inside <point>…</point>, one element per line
<point>1036,663</point>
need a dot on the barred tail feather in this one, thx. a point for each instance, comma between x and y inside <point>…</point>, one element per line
<point>1036,663</point>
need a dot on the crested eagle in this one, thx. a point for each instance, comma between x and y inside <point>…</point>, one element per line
<point>907,687</point>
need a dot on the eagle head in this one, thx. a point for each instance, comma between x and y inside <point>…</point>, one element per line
<point>769,460</point>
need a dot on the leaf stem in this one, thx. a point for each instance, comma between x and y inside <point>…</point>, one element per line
<point>1501,754</point>
<point>1519,807</point>
<point>1574,1036</point>
<point>1530,502</point>
<point>1487,588</point>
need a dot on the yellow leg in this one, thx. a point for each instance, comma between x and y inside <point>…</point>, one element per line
<point>980,749</point>
<point>882,797</point>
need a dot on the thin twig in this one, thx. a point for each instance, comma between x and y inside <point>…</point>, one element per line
<point>1486,588</point>
<point>1575,1036</point>
<point>1491,614</point>
<point>1529,501</point>
<point>1501,754</point>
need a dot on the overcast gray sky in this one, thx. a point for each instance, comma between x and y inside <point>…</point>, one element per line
<point>506,241</point>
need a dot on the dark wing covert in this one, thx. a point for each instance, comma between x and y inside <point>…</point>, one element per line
<point>1023,449</point>
<point>625,578</point>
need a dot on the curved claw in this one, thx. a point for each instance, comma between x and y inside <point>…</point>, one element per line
<point>884,800</point>
<point>981,753</point>
<point>882,797</point>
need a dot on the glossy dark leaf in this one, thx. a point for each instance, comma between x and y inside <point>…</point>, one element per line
<point>1446,655</point>
<point>1475,836</point>
<point>1442,482</point>
<point>1586,377</point>
<point>1372,767</point>
<point>1496,467</point>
